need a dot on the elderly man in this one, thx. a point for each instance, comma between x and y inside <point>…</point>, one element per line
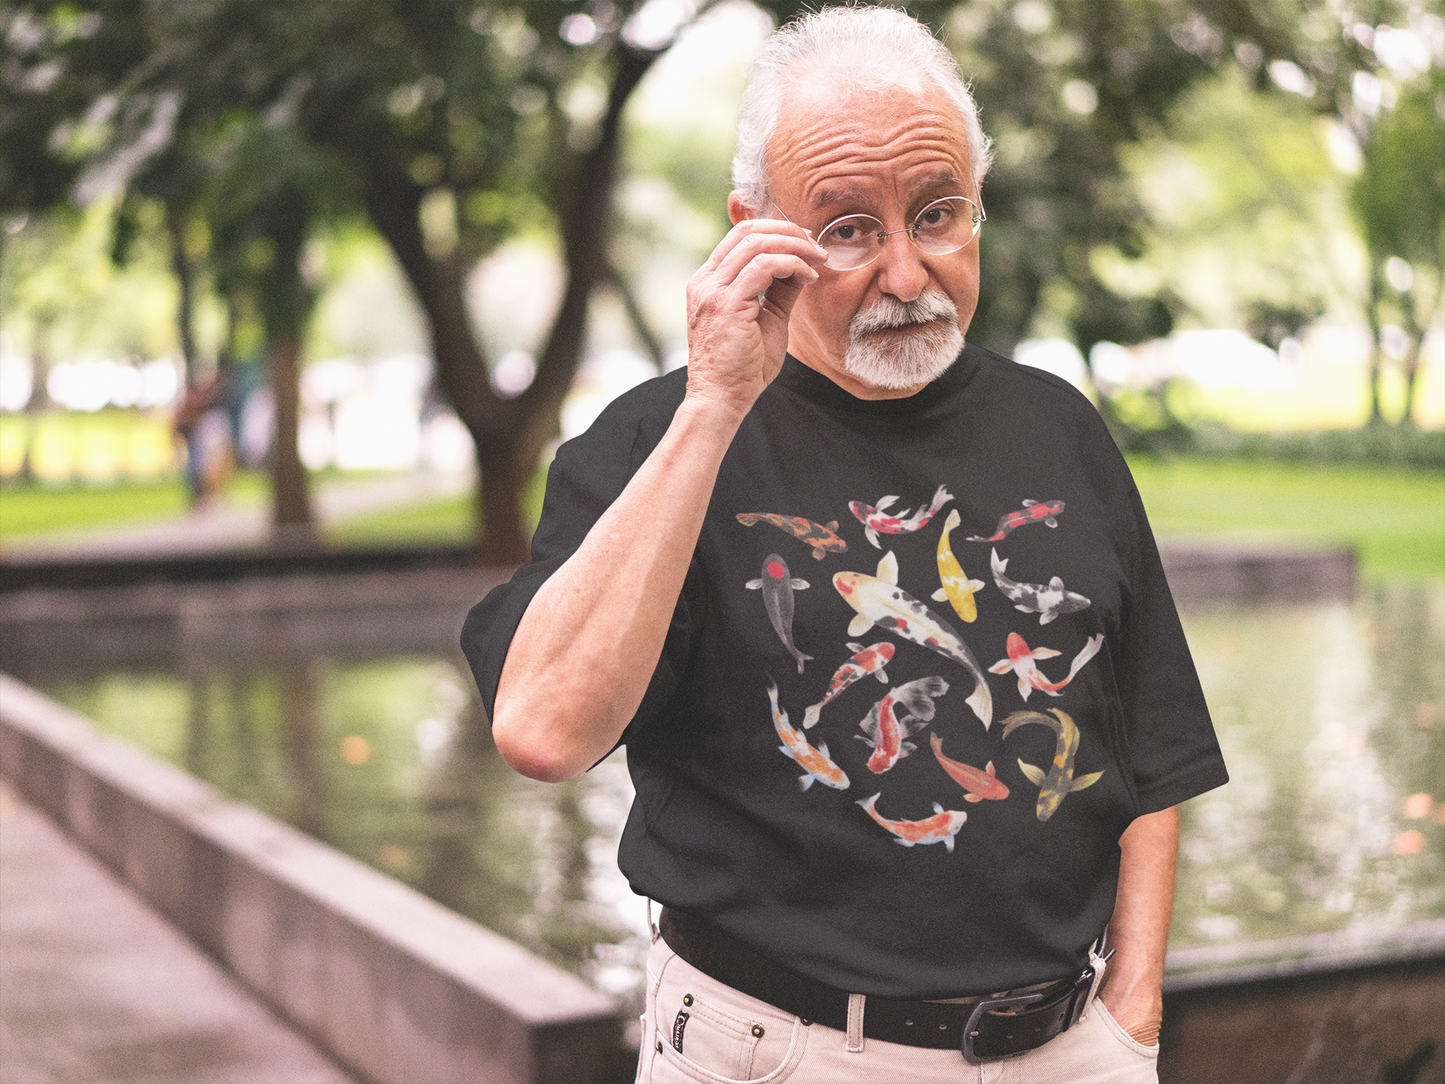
<point>880,620</point>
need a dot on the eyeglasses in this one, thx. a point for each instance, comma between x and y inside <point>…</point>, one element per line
<point>945,225</point>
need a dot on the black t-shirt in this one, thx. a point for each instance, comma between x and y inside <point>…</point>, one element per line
<point>835,760</point>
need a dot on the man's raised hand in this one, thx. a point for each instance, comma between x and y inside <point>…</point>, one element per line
<point>738,304</point>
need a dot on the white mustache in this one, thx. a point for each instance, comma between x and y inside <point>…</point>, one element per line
<point>891,313</point>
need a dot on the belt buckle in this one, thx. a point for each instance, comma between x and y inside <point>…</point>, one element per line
<point>970,1029</point>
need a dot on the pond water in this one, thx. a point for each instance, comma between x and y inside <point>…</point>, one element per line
<point>1331,715</point>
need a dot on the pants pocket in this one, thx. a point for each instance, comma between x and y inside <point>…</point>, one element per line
<point>701,1030</point>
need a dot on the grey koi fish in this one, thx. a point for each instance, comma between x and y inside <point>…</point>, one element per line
<point>777,586</point>
<point>1047,600</point>
<point>1058,782</point>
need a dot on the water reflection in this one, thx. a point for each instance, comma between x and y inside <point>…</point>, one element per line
<point>1332,716</point>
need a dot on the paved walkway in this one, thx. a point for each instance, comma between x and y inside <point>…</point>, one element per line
<point>223,527</point>
<point>96,988</point>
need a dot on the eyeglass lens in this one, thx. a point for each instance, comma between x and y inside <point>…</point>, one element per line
<point>944,226</point>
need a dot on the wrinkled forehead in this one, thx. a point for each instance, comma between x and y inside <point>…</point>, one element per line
<point>834,142</point>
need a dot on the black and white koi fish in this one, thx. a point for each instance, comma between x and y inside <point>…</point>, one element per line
<point>880,601</point>
<point>777,586</point>
<point>1047,600</point>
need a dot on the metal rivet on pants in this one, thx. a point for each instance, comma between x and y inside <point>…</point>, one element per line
<point>687,999</point>
<point>659,1048</point>
<point>757,1031</point>
<point>805,1021</point>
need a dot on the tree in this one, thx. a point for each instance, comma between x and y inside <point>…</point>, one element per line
<point>1399,198</point>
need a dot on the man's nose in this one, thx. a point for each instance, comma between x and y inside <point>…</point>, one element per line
<point>901,272</point>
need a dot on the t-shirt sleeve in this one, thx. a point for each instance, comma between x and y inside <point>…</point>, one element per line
<point>1171,743</point>
<point>587,475</point>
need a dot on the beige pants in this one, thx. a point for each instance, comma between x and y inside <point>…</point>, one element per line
<point>729,1037</point>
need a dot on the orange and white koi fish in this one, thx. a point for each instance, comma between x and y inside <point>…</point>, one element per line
<point>823,537</point>
<point>1031,512</point>
<point>816,763</point>
<point>865,661</point>
<point>979,784</point>
<point>879,601</point>
<point>957,588</point>
<point>874,517</point>
<point>1023,661</point>
<point>904,711</point>
<point>777,586</point>
<point>939,828</point>
<point>1058,782</point>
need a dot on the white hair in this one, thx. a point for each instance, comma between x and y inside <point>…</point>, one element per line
<point>878,48</point>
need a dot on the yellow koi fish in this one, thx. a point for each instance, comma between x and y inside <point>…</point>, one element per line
<point>1059,781</point>
<point>815,763</point>
<point>957,588</point>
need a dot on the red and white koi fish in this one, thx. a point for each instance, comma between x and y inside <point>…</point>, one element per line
<point>957,588</point>
<point>865,661</point>
<point>1058,782</point>
<point>904,711</point>
<point>939,828</point>
<point>823,537</point>
<point>777,587</point>
<point>1023,661</point>
<point>1031,512</point>
<point>875,518</point>
<point>879,601</point>
<point>979,784</point>
<point>815,762</point>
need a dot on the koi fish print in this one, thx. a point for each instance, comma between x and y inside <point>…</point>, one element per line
<point>957,589</point>
<point>1047,600</point>
<point>823,537</point>
<point>979,784</point>
<point>1031,512</point>
<point>1058,782</point>
<point>865,661</point>
<point>876,518</point>
<point>815,762</point>
<point>904,711</point>
<point>777,586</point>
<point>939,828</point>
<point>1022,660</point>
<point>879,601</point>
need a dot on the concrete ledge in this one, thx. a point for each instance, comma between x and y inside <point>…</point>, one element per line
<point>392,984</point>
<point>1225,572</point>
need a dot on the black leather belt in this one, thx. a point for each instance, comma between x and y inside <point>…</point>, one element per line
<point>984,1028</point>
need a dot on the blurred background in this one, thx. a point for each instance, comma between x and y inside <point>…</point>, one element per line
<point>329,277</point>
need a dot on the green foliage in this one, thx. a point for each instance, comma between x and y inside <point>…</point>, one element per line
<point>1393,519</point>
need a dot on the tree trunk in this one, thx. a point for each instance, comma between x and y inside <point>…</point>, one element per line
<point>1372,316</point>
<point>185,305</point>
<point>291,518</point>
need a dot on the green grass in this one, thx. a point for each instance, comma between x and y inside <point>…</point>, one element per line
<point>434,523</point>
<point>1394,519</point>
<point>29,510</point>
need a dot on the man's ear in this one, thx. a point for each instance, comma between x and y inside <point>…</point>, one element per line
<point>738,211</point>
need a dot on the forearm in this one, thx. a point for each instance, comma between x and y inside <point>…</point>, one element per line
<point>585,650</point>
<point>1139,930</point>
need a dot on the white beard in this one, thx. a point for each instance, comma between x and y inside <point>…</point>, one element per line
<point>904,361</point>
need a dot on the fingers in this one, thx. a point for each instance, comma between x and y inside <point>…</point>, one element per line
<point>755,236</point>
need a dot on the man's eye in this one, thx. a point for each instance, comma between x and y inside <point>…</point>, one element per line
<point>844,232</point>
<point>935,218</point>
